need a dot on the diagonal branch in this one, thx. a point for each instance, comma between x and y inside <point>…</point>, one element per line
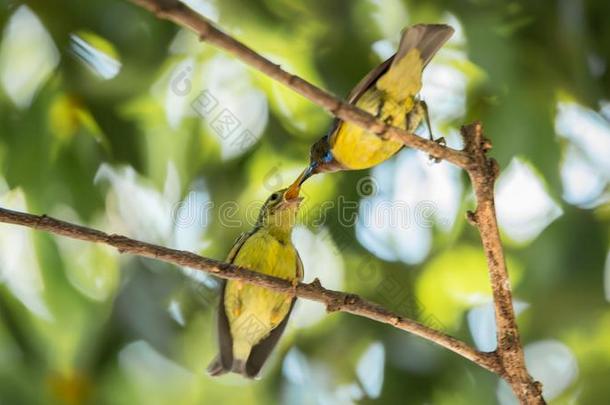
<point>334,300</point>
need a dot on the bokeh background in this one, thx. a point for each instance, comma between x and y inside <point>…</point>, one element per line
<point>113,119</point>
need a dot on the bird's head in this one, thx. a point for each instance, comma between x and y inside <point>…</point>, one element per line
<point>279,212</point>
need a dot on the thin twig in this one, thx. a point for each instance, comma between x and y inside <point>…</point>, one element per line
<point>334,300</point>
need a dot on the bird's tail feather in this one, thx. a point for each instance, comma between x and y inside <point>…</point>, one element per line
<point>427,38</point>
<point>216,367</point>
<point>239,367</point>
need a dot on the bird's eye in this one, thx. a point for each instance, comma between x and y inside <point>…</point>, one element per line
<point>274,196</point>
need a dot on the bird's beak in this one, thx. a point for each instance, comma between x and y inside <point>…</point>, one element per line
<point>292,193</point>
<point>295,188</point>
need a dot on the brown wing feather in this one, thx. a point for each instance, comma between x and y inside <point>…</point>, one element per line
<point>367,81</point>
<point>300,271</point>
<point>224,361</point>
<point>261,351</point>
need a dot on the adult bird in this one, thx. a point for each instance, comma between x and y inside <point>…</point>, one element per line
<point>251,319</point>
<point>390,93</point>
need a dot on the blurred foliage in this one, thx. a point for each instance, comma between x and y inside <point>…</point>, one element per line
<point>99,125</point>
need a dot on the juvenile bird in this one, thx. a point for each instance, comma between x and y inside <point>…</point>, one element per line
<point>251,319</point>
<point>390,93</point>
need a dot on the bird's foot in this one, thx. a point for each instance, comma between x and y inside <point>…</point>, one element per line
<point>443,143</point>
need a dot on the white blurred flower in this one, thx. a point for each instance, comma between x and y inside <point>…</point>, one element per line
<point>585,170</point>
<point>588,130</point>
<point>136,208</point>
<point>99,62</point>
<point>308,382</point>
<point>220,92</point>
<point>141,211</point>
<point>384,48</point>
<point>242,111</point>
<point>482,324</point>
<point>583,185</point>
<point>524,207</point>
<point>370,369</point>
<point>176,312</point>
<point>151,370</point>
<point>28,56</point>
<point>19,268</point>
<point>411,198</point>
<point>178,91</point>
<point>390,17</point>
<point>312,381</point>
<point>320,260</point>
<point>550,362</point>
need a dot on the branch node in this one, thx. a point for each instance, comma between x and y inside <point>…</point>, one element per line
<point>292,79</point>
<point>338,106</point>
<point>41,219</point>
<point>493,168</point>
<point>316,283</point>
<point>471,217</point>
<point>350,299</point>
<point>486,145</point>
<point>333,307</point>
<point>384,133</point>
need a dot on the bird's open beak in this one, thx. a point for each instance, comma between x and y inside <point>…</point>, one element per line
<point>292,193</point>
<point>295,188</point>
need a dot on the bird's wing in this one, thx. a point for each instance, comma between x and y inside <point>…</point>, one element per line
<point>225,340</point>
<point>368,80</point>
<point>239,242</point>
<point>300,272</point>
<point>353,96</point>
<point>260,352</point>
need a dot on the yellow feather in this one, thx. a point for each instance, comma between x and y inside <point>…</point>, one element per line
<point>403,80</point>
<point>253,312</point>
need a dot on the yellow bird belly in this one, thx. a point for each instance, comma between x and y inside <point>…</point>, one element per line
<point>253,312</point>
<point>391,98</point>
<point>356,148</point>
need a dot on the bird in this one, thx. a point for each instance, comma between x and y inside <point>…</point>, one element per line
<point>251,319</point>
<point>390,92</point>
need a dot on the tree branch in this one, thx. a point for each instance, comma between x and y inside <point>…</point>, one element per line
<point>334,300</point>
<point>483,174</point>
